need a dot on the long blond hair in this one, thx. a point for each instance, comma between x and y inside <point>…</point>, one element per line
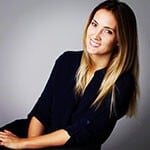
<point>124,58</point>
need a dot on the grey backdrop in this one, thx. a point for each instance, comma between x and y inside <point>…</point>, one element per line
<point>33,33</point>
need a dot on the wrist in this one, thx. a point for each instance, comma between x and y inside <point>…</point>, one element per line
<point>20,143</point>
<point>24,143</point>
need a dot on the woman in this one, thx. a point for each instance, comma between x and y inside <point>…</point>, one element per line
<point>89,90</point>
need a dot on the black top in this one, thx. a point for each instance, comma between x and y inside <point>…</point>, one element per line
<point>59,108</point>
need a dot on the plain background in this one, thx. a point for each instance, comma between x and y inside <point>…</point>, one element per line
<point>33,33</point>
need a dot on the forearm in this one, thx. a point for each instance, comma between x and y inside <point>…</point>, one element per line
<point>57,138</point>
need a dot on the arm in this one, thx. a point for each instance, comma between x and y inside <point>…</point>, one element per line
<point>36,128</point>
<point>57,138</point>
<point>97,127</point>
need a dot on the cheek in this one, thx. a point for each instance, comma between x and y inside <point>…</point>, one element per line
<point>109,45</point>
<point>111,42</point>
<point>90,31</point>
<point>87,34</point>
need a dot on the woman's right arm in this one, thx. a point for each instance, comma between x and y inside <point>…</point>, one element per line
<point>36,128</point>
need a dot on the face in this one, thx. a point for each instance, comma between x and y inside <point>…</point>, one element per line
<point>101,33</point>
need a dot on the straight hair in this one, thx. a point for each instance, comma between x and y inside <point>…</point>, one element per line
<point>124,57</point>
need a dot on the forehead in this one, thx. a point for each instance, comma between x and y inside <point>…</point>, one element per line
<point>105,18</point>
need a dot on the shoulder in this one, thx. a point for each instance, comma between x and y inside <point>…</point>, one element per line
<point>69,57</point>
<point>68,61</point>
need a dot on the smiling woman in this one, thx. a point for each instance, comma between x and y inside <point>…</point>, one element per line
<point>88,91</point>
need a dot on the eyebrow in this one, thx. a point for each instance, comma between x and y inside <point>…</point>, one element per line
<point>107,27</point>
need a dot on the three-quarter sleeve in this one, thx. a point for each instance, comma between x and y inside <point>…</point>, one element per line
<point>58,93</point>
<point>42,108</point>
<point>123,93</point>
<point>96,127</point>
<point>92,128</point>
<point>55,94</point>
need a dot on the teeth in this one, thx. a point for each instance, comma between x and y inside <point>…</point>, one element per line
<point>93,43</point>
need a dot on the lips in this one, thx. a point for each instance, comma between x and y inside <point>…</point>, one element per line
<point>94,43</point>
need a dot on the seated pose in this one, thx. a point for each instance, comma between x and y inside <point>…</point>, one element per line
<point>88,90</point>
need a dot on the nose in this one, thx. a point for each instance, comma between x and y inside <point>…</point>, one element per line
<point>97,34</point>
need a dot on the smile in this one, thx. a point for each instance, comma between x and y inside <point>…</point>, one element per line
<point>94,43</point>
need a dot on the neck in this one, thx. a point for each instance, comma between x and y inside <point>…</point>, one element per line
<point>99,62</point>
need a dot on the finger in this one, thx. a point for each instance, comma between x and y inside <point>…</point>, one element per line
<point>2,133</point>
<point>9,133</point>
<point>3,136</point>
<point>1,143</point>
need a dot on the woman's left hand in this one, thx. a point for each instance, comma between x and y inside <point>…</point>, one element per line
<point>10,140</point>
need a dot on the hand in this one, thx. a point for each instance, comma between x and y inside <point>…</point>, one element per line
<point>10,140</point>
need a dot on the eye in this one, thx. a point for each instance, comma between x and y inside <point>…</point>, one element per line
<point>93,23</point>
<point>108,31</point>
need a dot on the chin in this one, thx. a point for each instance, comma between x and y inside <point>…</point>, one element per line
<point>92,51</point>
